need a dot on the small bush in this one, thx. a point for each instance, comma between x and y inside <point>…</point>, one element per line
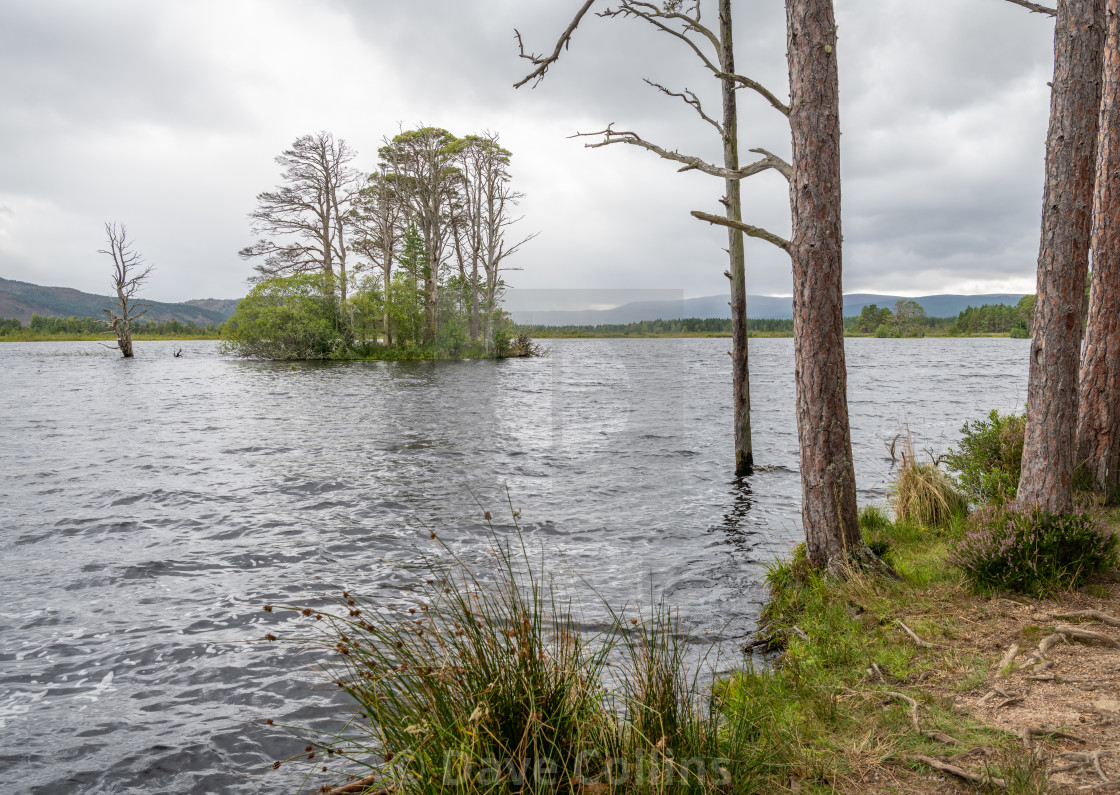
<point>989,457</point>
<point>1027,548</point>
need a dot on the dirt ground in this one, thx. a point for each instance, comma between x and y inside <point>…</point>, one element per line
<point>1060,694</point>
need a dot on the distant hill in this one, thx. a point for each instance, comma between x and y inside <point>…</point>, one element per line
<point>22,299</point>
<point>758,306</point>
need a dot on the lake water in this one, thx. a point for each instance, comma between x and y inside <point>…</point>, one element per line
<point>148,508</point>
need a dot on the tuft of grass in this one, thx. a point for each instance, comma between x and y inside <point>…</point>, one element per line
<point>923,495</point>
<point>490,682</point>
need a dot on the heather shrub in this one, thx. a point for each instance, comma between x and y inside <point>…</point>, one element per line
<point>1026,548</point>
<point>989,457</point>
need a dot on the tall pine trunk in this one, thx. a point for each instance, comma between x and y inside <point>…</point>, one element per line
<point>740,372</point>
<point>1098,437</point>
<point>828,487</point>
<point>1063,258</point>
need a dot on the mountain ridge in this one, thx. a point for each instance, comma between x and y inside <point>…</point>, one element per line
<point>758,306</point>
<point>23,299</point>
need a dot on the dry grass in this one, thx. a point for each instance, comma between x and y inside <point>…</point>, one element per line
<point>923,494</point>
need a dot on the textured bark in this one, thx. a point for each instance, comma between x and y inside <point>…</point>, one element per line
<point>1063,259</point>
<point>1098,437</point>
<point>828,495</point>
<point>740,370</point>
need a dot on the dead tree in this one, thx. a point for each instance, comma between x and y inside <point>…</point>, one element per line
<point>129,274</point>
<point>716,51</point>
<point>306,220</point>
<point>1098,437</point>
<point>1049,452</point>
<point>490,200</point>
<point>828,490</point>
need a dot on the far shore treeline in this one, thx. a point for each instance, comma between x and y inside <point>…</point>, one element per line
<point>873,321</point>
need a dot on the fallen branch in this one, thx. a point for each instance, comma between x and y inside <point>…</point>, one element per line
<point>913,708</point>
<point>925,644</point>
<point>1093,758</point>
<point>959,772</point>
<point>358,787</point>
<point>941,737</point>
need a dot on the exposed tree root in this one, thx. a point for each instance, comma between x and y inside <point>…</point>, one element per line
<point>959,772</point>
<point>1094,615</point>
<point>1086,634</point>
<point>1008,658</point>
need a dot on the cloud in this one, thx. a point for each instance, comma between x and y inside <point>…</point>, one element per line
<point>167,116</point>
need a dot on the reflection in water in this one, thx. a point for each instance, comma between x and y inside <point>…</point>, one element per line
<point>736,527</point>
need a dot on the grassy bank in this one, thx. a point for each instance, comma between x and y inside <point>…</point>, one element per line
<point>879,686</point>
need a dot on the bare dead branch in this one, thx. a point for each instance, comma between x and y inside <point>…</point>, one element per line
<point>746,229</point>
<point>689,98</point>
<point>691,163</point>
<point>761,90</point>
<point>655,16</point>
<point>777,163</point>
<point>913,708</point>
<point>1095,615</point>
<point>1035,7</point>
<point>542,62</point>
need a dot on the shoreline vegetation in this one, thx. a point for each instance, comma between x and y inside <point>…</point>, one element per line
<point>937,679</point>
<point>975,322</point>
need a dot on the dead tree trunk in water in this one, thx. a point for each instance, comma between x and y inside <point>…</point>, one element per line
<point>129,273</point>
<point>740,368</point>
<point>1063,259</point>
<point>716,52</point>
<point>828,485</point>
<point>1098,437</point>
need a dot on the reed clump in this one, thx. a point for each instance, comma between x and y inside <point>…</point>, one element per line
<point>487,680</point>
<point>922,493</point>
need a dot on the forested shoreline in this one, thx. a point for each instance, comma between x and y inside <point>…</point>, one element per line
<point>984,321</point>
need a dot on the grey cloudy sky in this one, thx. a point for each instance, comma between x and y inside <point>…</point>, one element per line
<point>167,115</point>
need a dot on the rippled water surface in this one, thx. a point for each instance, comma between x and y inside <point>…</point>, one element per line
<point>148,508</point>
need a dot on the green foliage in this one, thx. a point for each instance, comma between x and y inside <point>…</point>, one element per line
<point>997,319</point>
<point>886,330</point>
<point>290,317</point>
<point>870,318</point>
<point>1026,548</point>
<point>988,458</point>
